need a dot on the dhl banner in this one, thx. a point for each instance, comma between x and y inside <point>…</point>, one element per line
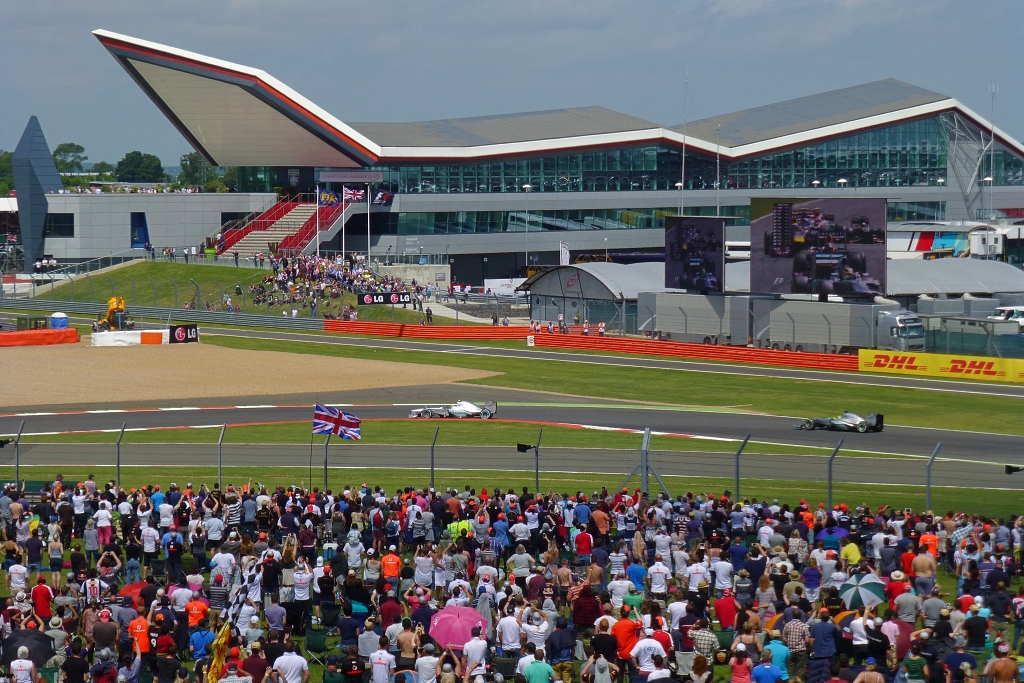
<point>942,365</point>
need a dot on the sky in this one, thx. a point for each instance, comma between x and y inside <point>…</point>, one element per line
<point>419,60</point>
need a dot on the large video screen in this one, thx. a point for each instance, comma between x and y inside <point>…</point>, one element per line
<point>695,253</point>
<point>817,246</point>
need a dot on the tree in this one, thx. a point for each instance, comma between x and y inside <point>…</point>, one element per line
<point>230,178</point>
<point>195,170</point>
<point>102,168</point>
<point>137,167</point>
<point>69,157</point>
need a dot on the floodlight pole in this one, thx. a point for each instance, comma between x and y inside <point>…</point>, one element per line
<point>432,444</point>
<point>928,478</point>
<point>17,454</point>
<point>832,457</point>
<point>536,462</point>
<point>737,465</point>
<point>119,437</point>
<point>644,452</point>
<point>326,441</point>
<point>220,457</point>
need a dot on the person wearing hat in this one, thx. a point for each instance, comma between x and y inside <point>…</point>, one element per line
<point>975,629</point>
<point>959,657</point>
<point>426,664</point>
<point>256,663</point>
<point>23,669</point>
<point>789,588</point>
<point>235,674</point>
<point>894,589</point>
<point>870,674</point>
<point>906,605</point>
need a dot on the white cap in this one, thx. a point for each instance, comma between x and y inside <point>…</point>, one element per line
<point>254,619</point>
<point>740,647</point>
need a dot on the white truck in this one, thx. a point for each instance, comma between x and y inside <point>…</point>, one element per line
<point>1010,314</point>
<point>769,322</point>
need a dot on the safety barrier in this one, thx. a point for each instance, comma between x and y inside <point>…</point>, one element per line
<point>733,354</point>
<point>39,337</point>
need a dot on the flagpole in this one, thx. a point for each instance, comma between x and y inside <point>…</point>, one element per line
<point>326,441</point>
<point>367,225</point>
<point>318,222</point>
<point>343,209</point>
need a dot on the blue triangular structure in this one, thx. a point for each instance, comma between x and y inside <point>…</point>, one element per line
<point>35,176</point>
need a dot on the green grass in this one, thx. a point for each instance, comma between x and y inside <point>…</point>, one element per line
<point>213,281</point>
<point>994,503</point>
<point>421,432</point>
<point>777,396</point>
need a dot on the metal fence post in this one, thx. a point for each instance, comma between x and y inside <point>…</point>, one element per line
<point>220,456</point>
<point>153,282</point>
<point>71,281</point>
<point>199,294</point>
<point>432,444</point>
<point>326,441</point>
<point>830,459</point>
<point>737,465</point>
<point>645,446</point>
<point>536,462</point>
<point>92,288</point>
<point>134,300</point>
<point>112,292</point>
<point>119,437</point>
<point>17,455</point>
<point>928,478</point>
<point>175,285</point>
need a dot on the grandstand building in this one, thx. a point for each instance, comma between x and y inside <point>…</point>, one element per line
<point>493,194</point>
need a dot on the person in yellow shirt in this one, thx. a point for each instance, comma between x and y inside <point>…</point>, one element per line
<point>850,554</point>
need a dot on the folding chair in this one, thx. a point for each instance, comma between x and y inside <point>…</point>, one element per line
<point>158,570</point>
<point>316,644</point>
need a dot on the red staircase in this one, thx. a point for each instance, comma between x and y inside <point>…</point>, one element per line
<point>262,222</point>
<point>291,246</point>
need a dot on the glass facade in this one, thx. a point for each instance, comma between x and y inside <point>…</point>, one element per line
<point>470,222</point>
<point>916,211</point>
<point>912,153</point>
<point>60,225</point>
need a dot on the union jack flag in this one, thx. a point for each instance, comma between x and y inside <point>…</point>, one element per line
<point>328,420</point>
<point>354,195</point>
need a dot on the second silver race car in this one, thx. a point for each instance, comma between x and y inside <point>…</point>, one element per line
<point>458,409</point>
<point>847,422</point>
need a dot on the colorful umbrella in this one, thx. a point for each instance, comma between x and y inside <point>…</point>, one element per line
<point>454,625</point>
<point>133,590</point>
<point>843,619</point>
<point>837,532</point>
<point>772,622</point>
<point>862,590</point>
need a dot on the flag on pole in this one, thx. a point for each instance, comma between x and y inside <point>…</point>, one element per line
<point>328,420</point>
<point>351,195</point>
<point>328,197</point>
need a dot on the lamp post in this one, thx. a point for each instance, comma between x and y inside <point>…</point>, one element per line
<point>680,186</point>
<point>942,183</point>
<point>606,249</point>
<point>988,216</point>
<point>842,183</point>
<point>816,183</point>
<point>718,172</point>
<point>526,188</point>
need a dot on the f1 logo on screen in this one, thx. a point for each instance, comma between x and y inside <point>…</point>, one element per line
<point>385,298</point>
<point>184,334</point>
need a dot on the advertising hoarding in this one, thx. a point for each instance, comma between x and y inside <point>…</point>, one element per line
<point>818,246</point>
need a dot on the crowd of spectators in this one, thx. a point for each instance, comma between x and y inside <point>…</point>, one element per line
<point>141,582</point>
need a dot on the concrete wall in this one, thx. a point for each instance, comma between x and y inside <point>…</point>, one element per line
<point>103,222</point>
<point>423,275</point>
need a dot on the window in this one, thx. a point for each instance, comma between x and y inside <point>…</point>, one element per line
<point>60,225</point>
<point>140,231</point>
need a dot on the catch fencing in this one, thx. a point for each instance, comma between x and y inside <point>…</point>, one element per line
<point>854,474</point>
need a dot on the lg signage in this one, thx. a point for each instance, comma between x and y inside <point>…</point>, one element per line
<point>385,298</point>
<point>184,334</point>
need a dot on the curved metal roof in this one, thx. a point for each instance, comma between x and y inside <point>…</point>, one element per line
<point>622,281</point>
<point>952,276</point>
<point>238,115</point>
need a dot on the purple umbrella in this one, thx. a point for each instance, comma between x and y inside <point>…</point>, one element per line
<point>837,532</point>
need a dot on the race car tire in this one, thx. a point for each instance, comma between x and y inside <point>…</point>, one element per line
<point>807,424</point>
<point>426,414</point>
<point>485,414</point>
<point>862,427</point>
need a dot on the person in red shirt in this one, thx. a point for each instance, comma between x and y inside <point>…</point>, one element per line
<point>726,608</point>
<point>584,545</point>
<point>626,632</point>
<point>895,587</point>
<point>138,630</point>
<point>41,597</point>
<point>660,634</point>
<point>907,561</point>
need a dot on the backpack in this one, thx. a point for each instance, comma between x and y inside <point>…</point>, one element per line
<point>391,529</point>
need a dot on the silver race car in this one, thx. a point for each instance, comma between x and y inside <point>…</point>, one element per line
<point>458,409</point>
<point>847,422</point>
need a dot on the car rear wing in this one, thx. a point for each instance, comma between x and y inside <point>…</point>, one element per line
<point>875,422</point>
<point>492,407</point>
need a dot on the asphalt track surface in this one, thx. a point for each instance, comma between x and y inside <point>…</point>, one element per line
<point>896,456</point>
<point>954,386</point>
